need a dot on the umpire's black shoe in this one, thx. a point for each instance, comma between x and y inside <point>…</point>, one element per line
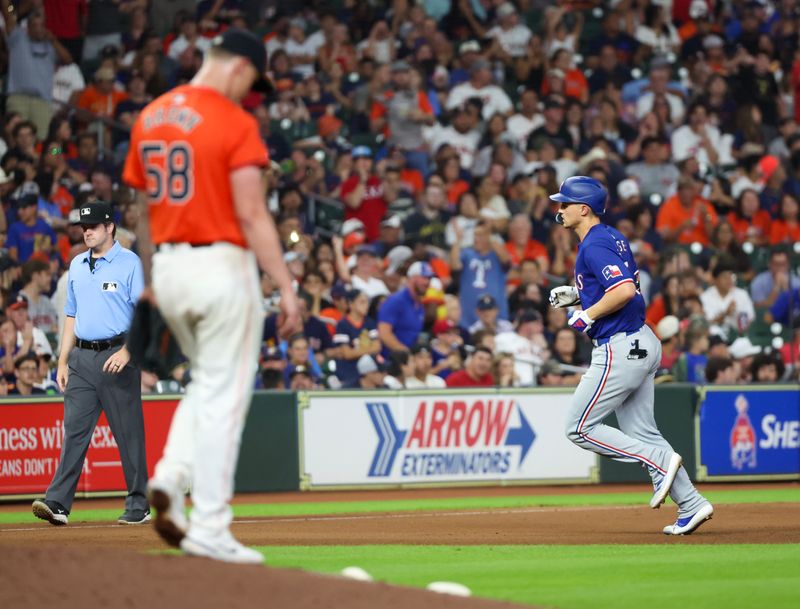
<point>134,517</point>
<point>51,511</point>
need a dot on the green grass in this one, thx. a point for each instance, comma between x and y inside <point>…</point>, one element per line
<point>449,504</point>
<point>669,576</point>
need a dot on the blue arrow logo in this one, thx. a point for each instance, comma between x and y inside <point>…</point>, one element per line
<point>390,439</point>
<point>522,436</point>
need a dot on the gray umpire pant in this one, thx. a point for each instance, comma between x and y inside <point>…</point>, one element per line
<point>620,380</point>
<point>90,390</point>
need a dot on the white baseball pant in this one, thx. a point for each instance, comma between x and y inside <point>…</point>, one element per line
<point>210,299</point>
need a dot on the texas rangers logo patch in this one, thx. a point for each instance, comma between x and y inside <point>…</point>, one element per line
<point>610,271</point>
<point>579,324</point>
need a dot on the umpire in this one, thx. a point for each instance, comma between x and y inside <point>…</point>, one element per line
<point>93,367</point>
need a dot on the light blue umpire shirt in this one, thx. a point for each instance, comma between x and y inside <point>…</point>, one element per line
<point>102,301</point>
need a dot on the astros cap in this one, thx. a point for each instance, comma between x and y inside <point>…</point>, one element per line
<point>245,44</point>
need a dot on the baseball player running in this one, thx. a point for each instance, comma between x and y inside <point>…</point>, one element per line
<point>625,358</point>
<point>198,157</point>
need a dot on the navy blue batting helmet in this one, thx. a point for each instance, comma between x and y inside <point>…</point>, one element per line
<point>583,189</point>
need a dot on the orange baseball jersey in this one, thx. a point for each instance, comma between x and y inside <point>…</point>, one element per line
<point>183,148</point>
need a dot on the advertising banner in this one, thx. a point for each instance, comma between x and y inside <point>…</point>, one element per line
<point>31,435</point>
<point>397,439</point>
<point>749,433</point>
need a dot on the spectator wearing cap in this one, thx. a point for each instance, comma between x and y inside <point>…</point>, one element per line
<point>495,100</point>
<point>370,375</point>
<point>487,311</point>
<point>33,55</point>
<point>686,217</point>
<point>722,371</point>
<point>668,330</point>
<point>391,235</point>
<point>26,370</point>
<point>332,315</point>
<point>37,278</point>
<point>510,37</point>
<point>365,275</point>
<point>29,234</point>
<point>727,307</point>
<point>477,371</point>
<point>101,97</point>
<point>554,129</point>
<point>402,315</point>
<point>446,347</point>
<point>767,368</point>
<point>301,378</point>
<point>429,222</point>
<point>356,335</point>
<point>422,377</point>
<point>526,344</point>
<point>742,350</point>
<point>483,269</point>
<point>362,194</point>
<point>550,374</point>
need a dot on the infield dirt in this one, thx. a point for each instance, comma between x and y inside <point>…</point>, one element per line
<point>102,565</point>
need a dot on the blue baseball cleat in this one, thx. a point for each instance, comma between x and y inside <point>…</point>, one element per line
<point>689,524</point>
<point>663,488</point>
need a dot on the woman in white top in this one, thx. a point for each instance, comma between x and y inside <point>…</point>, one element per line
<point>657,32</point>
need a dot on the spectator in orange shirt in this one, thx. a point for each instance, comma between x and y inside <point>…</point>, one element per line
<point>521,246</point>
<point>749,222</point>
<point>573,83</point>
<point>686,217</point>
<point>786,229</point>
<point>101,98</point>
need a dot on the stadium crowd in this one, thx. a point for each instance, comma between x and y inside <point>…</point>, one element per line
<point>414,146</point>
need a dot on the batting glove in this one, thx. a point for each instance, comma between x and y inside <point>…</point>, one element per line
<point>580,321</point>
<point>564,296</point>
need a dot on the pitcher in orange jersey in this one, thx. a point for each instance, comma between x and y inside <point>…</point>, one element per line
<point>197,158</point>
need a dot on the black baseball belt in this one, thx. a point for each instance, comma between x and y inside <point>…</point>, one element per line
<point>100,345</point>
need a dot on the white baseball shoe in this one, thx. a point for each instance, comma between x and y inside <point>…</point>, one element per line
<point>222,547</point>
<point>662,490</point>
<point>689,524</point>
<point>168,501</point>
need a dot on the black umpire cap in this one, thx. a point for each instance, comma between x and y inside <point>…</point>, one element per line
<point>96,212</point>
<point>245,44</point>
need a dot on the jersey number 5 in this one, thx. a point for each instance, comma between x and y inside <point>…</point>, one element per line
<point>169,169</point>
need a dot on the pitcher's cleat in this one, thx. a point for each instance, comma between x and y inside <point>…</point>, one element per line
<point>663,488</point>
<point>689,524</point>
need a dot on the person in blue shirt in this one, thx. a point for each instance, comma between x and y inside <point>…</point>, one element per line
<point>402,315</point>
<point>786,307</point>
<point>94,368</point>
<point>30,233</point>
<point>483,269</point>
<point>625,358</point>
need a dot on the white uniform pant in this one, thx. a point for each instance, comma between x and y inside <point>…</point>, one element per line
<point>620,380</point>
<point>210,299</point>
